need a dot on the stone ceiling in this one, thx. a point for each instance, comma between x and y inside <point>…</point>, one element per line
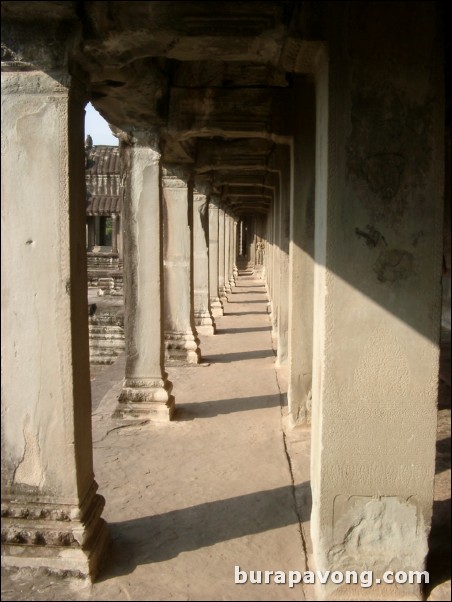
<point>214,78</point>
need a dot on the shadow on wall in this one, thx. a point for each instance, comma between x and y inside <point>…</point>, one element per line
<point>161,537</point>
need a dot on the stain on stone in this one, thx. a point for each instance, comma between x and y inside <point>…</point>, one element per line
<point>383,173</point>
<point>393,265</point>
<point>68,287</point>
<point>373,238</point>
<point>29,242</point>
<point>417,237</point>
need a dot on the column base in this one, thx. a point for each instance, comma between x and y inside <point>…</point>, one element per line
<point>231,282</point>
<point>227,288</point>
<point>204,323</point>
<point>181,348</point>
<point>146,398</point>
<point>216,307</point>
<point>63,538</point>
<point>222,294</point>
<point>235,272</point>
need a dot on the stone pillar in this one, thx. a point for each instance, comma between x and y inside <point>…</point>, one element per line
<point>235,246</point>
<point>215,303</point>
<point>301,256</point>
<point>181,339</point>
<point>97,233</point>
<point>204,321</point>
<point>51,514</point>
<point>286,190</point>
<point>221,254</point>
<point>378,251</point>
<point>275,260</point>
<point>227,252</point>
<point>146,391</point>
<point>91,235</point>
<point>231,251</point>
<point>114,233</point>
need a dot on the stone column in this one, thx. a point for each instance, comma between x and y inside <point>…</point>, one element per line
<point>227,251</point>
<point>114,233</point>
<point>378,251</point>
<point>231,251</point>
<point>97,235</point>
<point>286,190</point>
<point>215,303</point>
<point>146,390</point>
<point>50,509</point>
<point>276,234</point>
<point>221,254</point>
<point>301,256</point>
<point>181,339</point>
<point>235,246</point>
<point>204,321</point>
<point>91,235</point>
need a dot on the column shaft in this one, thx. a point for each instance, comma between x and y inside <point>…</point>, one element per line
<point>227,249</point>
<point>301,257</point>
<point>286,190</point>
<point>50,509</point>
<point>378,251</point>
<point>221,254</point>
<point>181,340</point>
<point>215,303</point>
<point>146,390</point>
<point>204,321</point>
<point>114,233</point>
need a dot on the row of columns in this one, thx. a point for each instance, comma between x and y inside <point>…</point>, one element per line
<point>188,239</point>
<point>355,302</point>
<point>179,244</point>
<point>352,261</point>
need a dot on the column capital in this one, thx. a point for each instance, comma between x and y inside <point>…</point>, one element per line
<point>28,45</point>
<point>214,202</point>
<point>202,185</point>
<point>140,137</point>
<point>175,175</point>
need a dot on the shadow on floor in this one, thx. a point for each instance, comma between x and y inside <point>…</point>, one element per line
<point>245,313</point>
<point>163,536</point>
<point>215,407</point>
<point>238,330</point>
<point>238,357</point>
<point>252,301</point>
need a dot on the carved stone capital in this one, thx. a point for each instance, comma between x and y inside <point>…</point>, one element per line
<point>30,46</point>
<point>214,202</point>
<point>175,176</point>
<point>143,137</point>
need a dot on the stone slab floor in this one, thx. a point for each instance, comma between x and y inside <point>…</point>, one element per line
<point>225,484</point>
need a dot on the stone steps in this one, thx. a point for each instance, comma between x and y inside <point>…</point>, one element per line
<point>106,342</point>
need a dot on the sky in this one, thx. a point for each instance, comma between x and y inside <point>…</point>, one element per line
<point>97,127</point>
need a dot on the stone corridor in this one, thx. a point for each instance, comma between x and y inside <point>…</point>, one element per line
<point>307,141</point>
<point>189,499</point>
<point>224,484</point>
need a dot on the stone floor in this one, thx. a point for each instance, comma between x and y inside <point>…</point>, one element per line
<point>225,484</point>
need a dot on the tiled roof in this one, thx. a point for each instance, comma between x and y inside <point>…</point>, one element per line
<point>103,160</point>
<point>103,180</point>
<point>103,205</point>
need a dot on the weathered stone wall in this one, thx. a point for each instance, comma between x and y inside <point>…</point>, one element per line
<point>377,296</point>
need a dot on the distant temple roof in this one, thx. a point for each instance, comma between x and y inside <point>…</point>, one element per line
<point>103,179</point>
<point>103,205</point>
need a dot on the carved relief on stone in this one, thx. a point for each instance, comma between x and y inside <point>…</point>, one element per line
<point>260,251</point>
